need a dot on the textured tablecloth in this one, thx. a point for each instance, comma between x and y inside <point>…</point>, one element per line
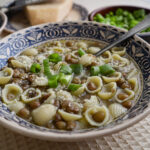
<point>135,138</point>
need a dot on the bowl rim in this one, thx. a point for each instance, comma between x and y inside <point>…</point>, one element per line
<point>70,136</point>
<point>5,20</point>
<point>92,13</point>
<point>50,136</point>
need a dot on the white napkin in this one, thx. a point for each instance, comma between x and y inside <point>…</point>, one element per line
<point>6,2</point>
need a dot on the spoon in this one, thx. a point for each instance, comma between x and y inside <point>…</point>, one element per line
<point>139,27</point>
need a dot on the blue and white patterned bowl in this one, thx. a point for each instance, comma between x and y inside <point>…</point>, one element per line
<point>138,49</point>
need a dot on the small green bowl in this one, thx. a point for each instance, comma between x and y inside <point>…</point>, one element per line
<point>103,11</point>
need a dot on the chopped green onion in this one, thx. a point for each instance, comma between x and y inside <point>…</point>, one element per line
<point>106,69</point>
<point>53,81</point>
<point>119,11</point>
<point>64,79</point>
<point>77,68</point>
<point>66,69</point>
<point>139,14</point>
<point>46,68</point>
<point>133,23</point>
<point>95,70</point>
<point>81,52</point>
<point>99,18</point>
<point>74,87</point>
<point>55,58</point>
<point>35,68</point>
<point>122,18</point>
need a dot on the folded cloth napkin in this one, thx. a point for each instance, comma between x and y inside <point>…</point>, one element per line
<point>6,3</point>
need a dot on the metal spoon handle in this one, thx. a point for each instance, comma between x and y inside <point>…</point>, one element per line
<point>139,27</point>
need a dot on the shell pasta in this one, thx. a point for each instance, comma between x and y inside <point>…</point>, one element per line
<point>62,85</point>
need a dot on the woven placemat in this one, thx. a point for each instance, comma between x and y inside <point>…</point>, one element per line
<point>133,138</point>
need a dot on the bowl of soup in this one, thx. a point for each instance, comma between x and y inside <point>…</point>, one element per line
<point>54,88</point>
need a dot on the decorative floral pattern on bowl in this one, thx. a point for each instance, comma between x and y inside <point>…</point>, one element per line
<point>136,48</point>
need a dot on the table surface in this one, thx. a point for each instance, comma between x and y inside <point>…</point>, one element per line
<point>136,137</point>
